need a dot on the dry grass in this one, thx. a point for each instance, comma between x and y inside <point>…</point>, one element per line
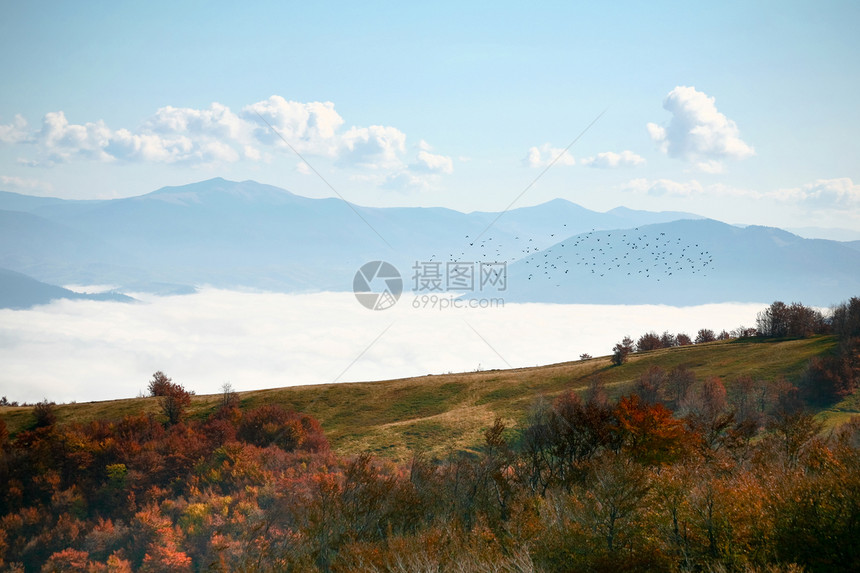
<point>439,414</point>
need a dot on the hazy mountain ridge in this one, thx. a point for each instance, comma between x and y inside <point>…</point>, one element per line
<point>18,291</point>
<point>247,234</point>
<point>721,263</point>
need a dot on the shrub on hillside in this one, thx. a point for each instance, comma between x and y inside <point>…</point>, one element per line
<point>273,425</point>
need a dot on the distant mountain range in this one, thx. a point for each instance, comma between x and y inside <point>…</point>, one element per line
<point>246,234</point>
<point>19,291</point>
<point>688,262</point>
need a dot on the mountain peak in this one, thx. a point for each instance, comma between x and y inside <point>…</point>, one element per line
<point>220,189</point>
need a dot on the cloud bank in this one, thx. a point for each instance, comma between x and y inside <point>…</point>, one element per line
<point>821,195</point>
<point>86,350</point>
<point>612,160</point>
<point>219,135</point>
<point>545,154</point>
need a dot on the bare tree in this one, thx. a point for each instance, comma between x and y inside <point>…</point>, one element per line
<point>650,385</point>
<point>678,383</point>
<point>229,397</point>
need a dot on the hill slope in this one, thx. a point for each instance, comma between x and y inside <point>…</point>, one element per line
<point>439,414</point>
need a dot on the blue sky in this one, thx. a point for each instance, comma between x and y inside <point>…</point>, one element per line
<point>746,112</point>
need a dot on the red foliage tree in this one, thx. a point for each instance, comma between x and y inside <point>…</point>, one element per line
<point>649,433</point>
<point>649,341</point>
<point>173,402</point>
<point>160,384</point>
<point>273,425</point>
<point>68,561</point>
<point>683,340</point>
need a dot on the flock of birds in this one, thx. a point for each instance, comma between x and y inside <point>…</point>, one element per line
<point>634,254</point>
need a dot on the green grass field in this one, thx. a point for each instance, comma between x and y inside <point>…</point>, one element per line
<point>440,414</point>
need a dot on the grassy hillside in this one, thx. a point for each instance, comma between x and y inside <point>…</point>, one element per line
<point>438,414</point>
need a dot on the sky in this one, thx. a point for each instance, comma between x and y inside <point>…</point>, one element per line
<point>744,112</point>
<point>89,350</point>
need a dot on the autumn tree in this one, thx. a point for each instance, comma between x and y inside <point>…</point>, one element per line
<point>773,321</point>
<point>804,321</point>
<point>596,392</point>
<point>622,350</point>
<point>160,385</point>
<point>668,340</point>
<point>742,399</point>
<point>706,411</point>
<point>44,414</point>
<point>648,432</point>
<point>68,561</point>
<point>173,399</point>
<point>560,437</point>
<point>828,379</point>
<point>678,383</point>
<point>619,487</point>
<point>705,335</point>
<point>648,341</point>
<point>273,425</point>
<point>792,432</point>
<point>683,340</point>
<point>845,319</point>
<point>229,397</point>
<point>650,384</point>
<point>743,332</point>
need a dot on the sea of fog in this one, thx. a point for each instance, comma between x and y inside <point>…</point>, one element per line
<point>86,350</point>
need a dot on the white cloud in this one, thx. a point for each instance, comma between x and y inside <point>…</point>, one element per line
<point>24,183</point>
<point>432,163</point>
<point>711,166</point>
<point>15,132</point>
<point>374,147</point>
<point>217,135</point>
<point>697,132</point>
<point>406,181</point>
<point>611,160</point>
<point>251,152</point>
<point>63,140</point>
<point>217,121</point>
<point>664,187</point>
<point>309,127</point>
<point>102,350</point>
<point>148,147</point>
<point>841,193</point>
<point>545,155</point>
<point>826,195</point>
